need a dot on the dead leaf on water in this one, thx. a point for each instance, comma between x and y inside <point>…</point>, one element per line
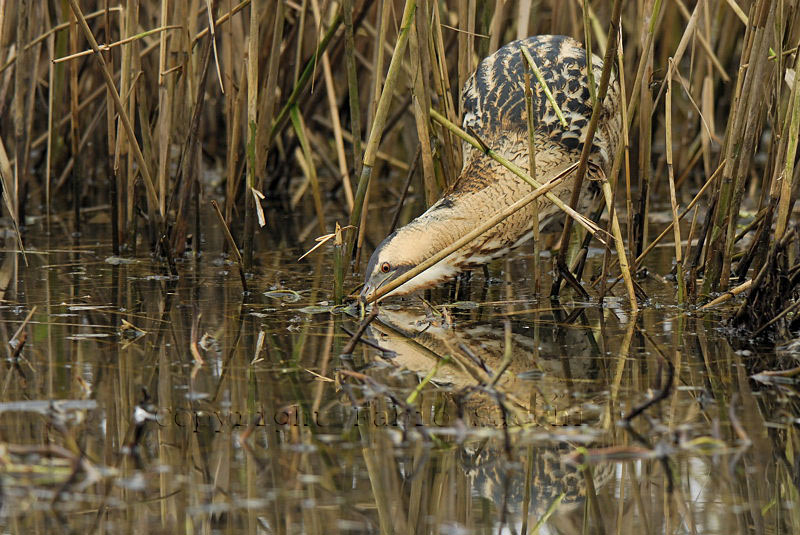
<point>288,295</point>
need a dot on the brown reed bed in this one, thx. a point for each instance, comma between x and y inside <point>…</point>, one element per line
<point>318,106</point>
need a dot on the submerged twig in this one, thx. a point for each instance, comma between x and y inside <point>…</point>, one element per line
<point>232,244</point>
<point>351,344</point>
<point>660,395</point>
<point>728,295</point>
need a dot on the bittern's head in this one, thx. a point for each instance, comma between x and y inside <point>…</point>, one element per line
<point>393,257</point>
<point>403,250</point>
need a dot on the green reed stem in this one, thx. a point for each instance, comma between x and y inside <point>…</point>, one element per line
<point>547,93</point>
<point>412,397</point>
<point>300,130</point>
<point>531,116</point>
<point>379,122</point>
<point>305,77</point>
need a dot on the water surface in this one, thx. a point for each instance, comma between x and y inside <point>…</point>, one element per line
<point>143,402</point>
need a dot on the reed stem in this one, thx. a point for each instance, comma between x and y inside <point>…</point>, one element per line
<point>126,122</point>
<point>381,114</point>
<point>597,111</point>
<point>481,229</point>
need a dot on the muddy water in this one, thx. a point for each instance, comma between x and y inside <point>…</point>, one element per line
<point>142,403</point>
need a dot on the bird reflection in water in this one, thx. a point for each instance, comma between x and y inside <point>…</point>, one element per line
<point>553,397</point>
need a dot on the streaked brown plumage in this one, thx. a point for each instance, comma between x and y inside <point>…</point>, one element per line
<point>494,108</point>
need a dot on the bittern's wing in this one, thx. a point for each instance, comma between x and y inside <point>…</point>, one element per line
<point>493,97</point>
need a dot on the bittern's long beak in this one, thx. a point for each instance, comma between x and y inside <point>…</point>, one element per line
<point>376,281</point>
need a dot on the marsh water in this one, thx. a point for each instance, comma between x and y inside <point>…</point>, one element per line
<point>134,401</point>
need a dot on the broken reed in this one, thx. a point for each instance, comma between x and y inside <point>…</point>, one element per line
<point>312,101</point>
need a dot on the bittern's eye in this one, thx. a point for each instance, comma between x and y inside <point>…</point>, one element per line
<point>385,267</point>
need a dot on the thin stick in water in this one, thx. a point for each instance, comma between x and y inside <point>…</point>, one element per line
<point>232,244</point>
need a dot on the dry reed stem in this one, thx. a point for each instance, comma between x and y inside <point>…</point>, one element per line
<point>24,84</point>
<point>652,245</point>
<point>270,93</point>
<point>620,245</point>
<point>786,178</point>
<point>252,130</point>
<point>728,295</point>
<point>466,44</point>
<point>782,314</point>
<point>74,131</point>
<point>639,259</point>
<point>587,40</point>
<point>187,178</point>
<point>605,77</point>
<point>451,148</point>
<point>738,11</point>
<point>583,221</point>
<point>640,97</point>
<point>212,31</point>
<point>223,19</point>
<point>476,232</point>
<point>6,172</point>
<point>703,42</point>
<point>421,103</point>
<point>673,200</point>
<point>380,155</point>
<point>111,142</point>
<point>688,33</point>
<point>303,80</point>
<point>622,152</point>
<point>352,86</point>
<point>122,159</point>
<point>495,27</point>
<point>57,28</point>
<point>105,48</point>
<point>51,101</point>
<point>126,123</point>
<point>747,124</point>
<point>707,103</point>
<point>330,92</point>
<point>381,47</point>
<point>164,119</point>
<point>231,180</point>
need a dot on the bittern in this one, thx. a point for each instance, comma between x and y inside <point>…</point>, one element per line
<point>493,102</point>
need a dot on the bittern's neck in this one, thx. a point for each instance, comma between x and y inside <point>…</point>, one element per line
<point>422,238</point>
